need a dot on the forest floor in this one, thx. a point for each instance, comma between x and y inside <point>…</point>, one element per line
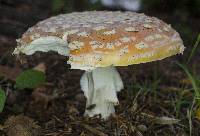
<point>156,100</point>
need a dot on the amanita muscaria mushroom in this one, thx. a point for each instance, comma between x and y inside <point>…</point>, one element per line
<point>96,42</point>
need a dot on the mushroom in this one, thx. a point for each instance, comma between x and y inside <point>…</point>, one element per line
<point>97,41</point>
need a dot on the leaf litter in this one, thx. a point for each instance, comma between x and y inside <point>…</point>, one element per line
<point>58,106</point>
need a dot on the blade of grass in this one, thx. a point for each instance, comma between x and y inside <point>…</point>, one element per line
<point>191,78</point>
<point>196,93</point>
<point>189,115</point>
<point>2,99</point>
<point>194,48</point>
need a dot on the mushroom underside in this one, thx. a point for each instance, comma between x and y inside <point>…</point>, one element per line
<point>100,87</point>
<point>44,44</point>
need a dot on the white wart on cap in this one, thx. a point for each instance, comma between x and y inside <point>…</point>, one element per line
<point>102,38</point>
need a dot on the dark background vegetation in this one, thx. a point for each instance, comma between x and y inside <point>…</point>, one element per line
<point>16,16</point>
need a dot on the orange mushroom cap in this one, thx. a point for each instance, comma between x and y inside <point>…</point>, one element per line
<point>104,38</point>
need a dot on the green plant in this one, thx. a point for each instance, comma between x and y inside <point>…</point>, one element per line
<point>193,80</point>
<point>196,99</point>
<point>30,79</point>
<point>194,48</point>
<point>2,99</point>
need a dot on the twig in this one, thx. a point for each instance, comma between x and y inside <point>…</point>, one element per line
<point>93,130</point>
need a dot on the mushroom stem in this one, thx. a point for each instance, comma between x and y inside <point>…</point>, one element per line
<point>100,87</point>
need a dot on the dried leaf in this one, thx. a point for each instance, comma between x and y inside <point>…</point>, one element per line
<point>165,120</point>
<point>40,95</point>
<point>161,120</point>
<point>9,73</point>
<point>186,81</point>
<point>40,67</point>
<point>142,128</point>
<point>198,113</point>
<point>21,126</point>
